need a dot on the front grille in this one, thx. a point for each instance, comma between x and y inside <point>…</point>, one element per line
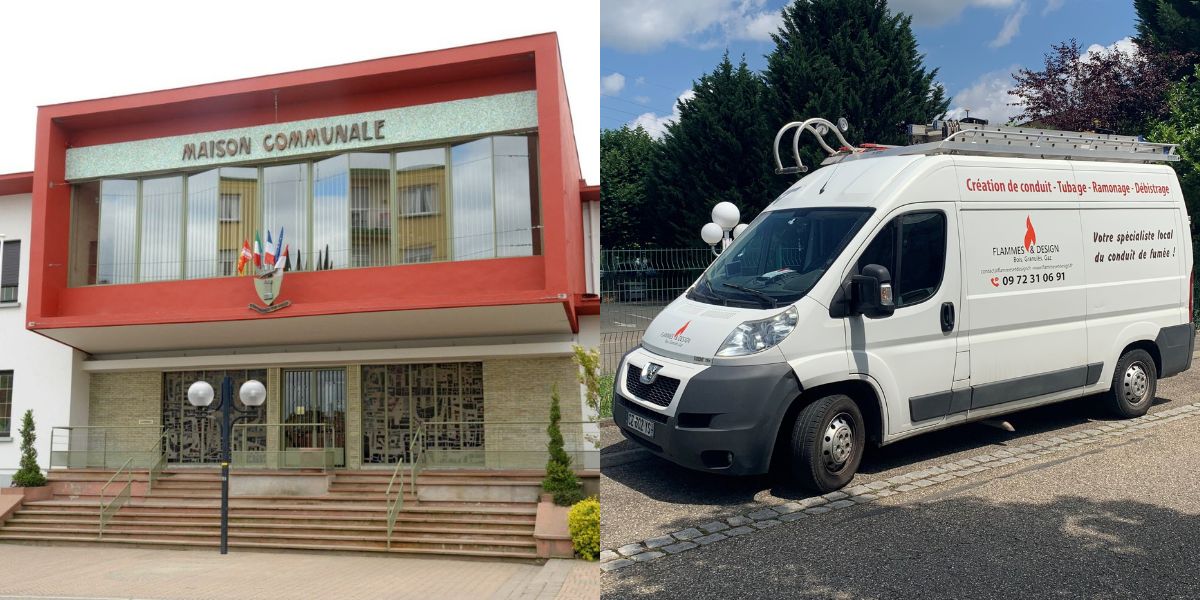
<point>660,393</point>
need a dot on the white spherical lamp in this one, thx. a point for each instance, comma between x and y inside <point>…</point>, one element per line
<point>253,393</point>
<point>200,394</point>
<point>739,229</point>
<point>711,233</point>
<point>726,215</point>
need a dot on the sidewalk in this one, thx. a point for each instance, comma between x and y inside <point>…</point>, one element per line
<point>114,572</point>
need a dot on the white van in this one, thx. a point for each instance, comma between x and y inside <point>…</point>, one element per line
<point>903,290</point>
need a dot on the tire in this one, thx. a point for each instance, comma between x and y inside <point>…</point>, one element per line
<point>827,443</point>
<point>1134,384</point>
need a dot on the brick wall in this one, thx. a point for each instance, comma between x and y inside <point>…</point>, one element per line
<point>518,390</point>
<point>121,400</point>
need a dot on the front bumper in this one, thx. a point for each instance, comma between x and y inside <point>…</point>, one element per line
<point>721,419</point>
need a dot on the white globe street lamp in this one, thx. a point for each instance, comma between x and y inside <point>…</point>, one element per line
<point>200,394</point>
<point>724,227</point>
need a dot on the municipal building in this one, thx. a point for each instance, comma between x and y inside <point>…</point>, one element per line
<point>401,250</point>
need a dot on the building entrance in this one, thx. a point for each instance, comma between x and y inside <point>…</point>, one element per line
<point>194,436</point>
<point>314,410</point>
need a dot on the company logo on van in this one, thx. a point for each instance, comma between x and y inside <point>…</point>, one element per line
<point>678,339</point>
<point>1028,246</point>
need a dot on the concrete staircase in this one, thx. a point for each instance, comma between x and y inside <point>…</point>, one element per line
<point>184,510</point>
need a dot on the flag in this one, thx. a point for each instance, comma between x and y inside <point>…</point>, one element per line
<point>257,251</point>
<point>279,249</point>
<point>245,257</point>
<point>287,260</point>
<point>299,259</point>
<point>282,261</point>
<point>269,259</point>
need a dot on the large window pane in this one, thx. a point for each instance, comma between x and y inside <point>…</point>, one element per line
<point>117,261</point>
<point>370,210</point>
<point>474,215</point>
<point>162,227</point>
<point>285,206</point>
<point>331,213</point>
<point>222,212</point>
<point>516,195</point>
<point>85,233</point>
<point>421,195</point>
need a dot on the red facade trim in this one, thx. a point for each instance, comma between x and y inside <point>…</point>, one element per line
<point>471,71</point>
<point>16,183</point>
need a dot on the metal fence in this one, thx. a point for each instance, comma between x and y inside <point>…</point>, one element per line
<point>635,285</point>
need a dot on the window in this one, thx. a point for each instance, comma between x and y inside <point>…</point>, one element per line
<point>919,240</point>
<point>419,254</point>
<point>10,270</point>
<point>228,260</point>
<point>6,387</point>
<point>419,200</point>
<point>231,208</point>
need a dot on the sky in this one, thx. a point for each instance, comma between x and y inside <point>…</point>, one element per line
<point>74,50</point>
<point>652,50</point>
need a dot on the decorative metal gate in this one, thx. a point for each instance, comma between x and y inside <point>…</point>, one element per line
<point>443,392</point>
<point>316,396</point>
<point>192,439</point>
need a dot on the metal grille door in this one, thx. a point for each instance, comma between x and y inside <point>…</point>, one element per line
<point>315,397</point>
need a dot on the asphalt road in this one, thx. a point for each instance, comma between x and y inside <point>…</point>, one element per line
<point>1111,520</point>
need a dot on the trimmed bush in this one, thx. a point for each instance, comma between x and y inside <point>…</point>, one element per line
<point>560,478</point>
<point>29,475</point>
<point>584,522</point>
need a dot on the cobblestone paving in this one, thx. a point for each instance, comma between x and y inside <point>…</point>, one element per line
<point>772,515</point>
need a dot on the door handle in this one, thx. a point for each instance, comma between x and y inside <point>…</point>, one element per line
<point>947,316</point>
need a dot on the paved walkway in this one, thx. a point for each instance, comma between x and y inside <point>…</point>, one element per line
<point>95,573</point>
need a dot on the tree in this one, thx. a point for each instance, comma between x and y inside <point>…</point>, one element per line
<point>853,59</point>
<point>718,150</point>
<point>29,475</point>
<point>560,479</point>
<point>624,159</point>
<point>1165,26</point>
<point>1182,126</point>
<point>1108,90</point>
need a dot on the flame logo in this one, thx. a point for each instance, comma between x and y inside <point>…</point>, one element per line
<point>682,329</point>
<point>1030,234</point>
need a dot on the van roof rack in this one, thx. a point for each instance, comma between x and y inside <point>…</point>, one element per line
<point>957,137</point>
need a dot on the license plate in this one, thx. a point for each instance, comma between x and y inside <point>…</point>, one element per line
<point>640,424</point>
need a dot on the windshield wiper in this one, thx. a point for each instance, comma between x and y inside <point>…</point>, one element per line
<point>767,297</point>
<point>711,294</point>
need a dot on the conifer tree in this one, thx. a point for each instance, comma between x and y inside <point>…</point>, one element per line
<point>29,474</point>
<point>718,150</point>
<point>560,480</point>
<point>624,159</point>
<point>854,59</point>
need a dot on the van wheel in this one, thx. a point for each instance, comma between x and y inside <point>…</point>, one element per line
<point>1134,384</point>
<point>827,443</point>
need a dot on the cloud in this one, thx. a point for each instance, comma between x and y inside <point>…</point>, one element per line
<point>642,99</point>
<point>1124,45</point>
<point>655,125</point>
<point>935,13</point>
<point>611,85</point>
<point>987,98</point>
<point>640,26</point>
<point>1051,6</point>
<point>1011,27</point>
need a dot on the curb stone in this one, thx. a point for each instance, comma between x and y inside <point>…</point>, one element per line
<point>775,515</point>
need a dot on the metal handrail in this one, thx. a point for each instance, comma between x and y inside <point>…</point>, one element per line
<point>103,449</point>
<point>160,462</point>
<point>811,125</point>
<point>416,454</point>
<point>108,510</point>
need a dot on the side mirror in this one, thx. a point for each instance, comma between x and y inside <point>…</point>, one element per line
<point>871,292</point>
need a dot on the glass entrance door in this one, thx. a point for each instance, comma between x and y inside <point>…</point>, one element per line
<point>314,411</point>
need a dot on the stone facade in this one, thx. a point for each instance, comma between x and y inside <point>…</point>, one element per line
<point>131,405</point>
<point>516,407</point>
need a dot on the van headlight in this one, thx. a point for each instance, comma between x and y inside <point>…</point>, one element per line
<point>756,336</point>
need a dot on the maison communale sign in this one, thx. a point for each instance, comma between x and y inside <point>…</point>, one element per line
<point>312,137</point>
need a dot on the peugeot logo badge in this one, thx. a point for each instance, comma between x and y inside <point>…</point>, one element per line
<point>650,373</point>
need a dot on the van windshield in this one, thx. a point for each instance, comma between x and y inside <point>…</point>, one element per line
<point>779,258</point>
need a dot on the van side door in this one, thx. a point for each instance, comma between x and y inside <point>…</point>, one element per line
<point>911,353</point>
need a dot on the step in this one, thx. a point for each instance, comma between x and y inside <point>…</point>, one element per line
<point>522,553</point>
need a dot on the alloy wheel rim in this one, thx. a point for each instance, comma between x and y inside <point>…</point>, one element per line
<point>1136,384</point>
<point>837,442</point>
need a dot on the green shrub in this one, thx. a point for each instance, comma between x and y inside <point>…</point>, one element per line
<point>29,475</point>
<point>560,480</point>
<point>606,396</point>
<point>584,522</point>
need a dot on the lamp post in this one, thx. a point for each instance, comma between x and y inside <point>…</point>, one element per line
<point>200,395</point>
